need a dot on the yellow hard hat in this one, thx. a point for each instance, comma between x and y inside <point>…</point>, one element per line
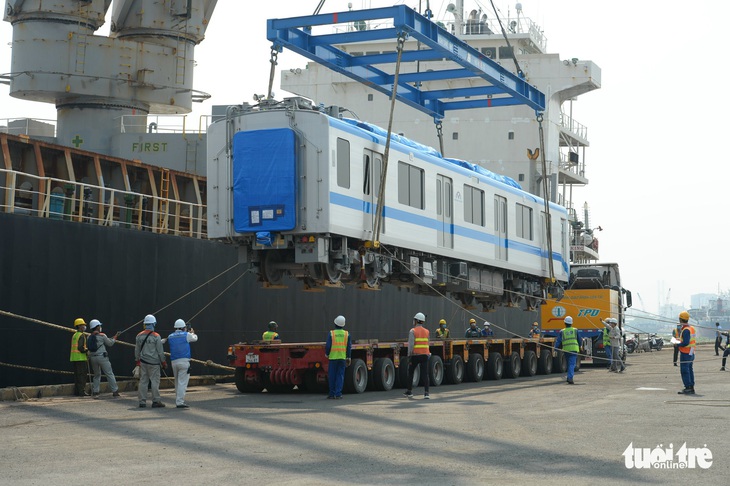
<point>442,321</point>
<point>472,321</point>
<point>684,315</point>
<point>79,322</point>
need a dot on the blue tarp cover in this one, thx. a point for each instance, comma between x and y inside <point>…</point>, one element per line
<point>264,176</point>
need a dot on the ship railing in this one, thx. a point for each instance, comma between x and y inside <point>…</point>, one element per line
<point>48,197</point>
<point>574,126</point>
<point>164,124</point>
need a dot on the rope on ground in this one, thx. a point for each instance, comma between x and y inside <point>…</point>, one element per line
<point>32,368</point>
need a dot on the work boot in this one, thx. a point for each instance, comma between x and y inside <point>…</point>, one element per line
<point>116,394</point>
<point>408,394</point>
<point>184,405</point>
<point>722,369</point>
<point>686,391</point>
<point>95,395</point>
<point>691,391</point>
<point>426,397</point>
<point>158,405</point>
<point>675,364</point>
<point>570,382</point>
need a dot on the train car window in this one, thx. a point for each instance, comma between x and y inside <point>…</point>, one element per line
<point>439,197</point>
<point>366,174</point>
<point>343,163</point>
<point>474,205</point>
<point>523,216</point>
<point>410,185</point>
<point>377,172</point>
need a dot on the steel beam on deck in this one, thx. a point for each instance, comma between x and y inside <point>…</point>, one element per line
<point>503,88</point>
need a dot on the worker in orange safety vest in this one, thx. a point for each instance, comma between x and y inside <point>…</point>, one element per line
<point>418,354</point>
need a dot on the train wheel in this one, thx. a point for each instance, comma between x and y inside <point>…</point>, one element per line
<point>247,387</point>
<point>475,367</point>
<point>545,362</point>
<point>529,363</point>
<point>383,374</point>
<point>514,365</point>
<point>327,271</point>
<point>435,370</point>
<point>269,271</point>
<point>356,377</point>
<point>560,363</point>
<point>495,366</point>
<point>455,371</point>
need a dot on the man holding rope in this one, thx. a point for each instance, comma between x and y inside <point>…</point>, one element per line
<point>149,355</point>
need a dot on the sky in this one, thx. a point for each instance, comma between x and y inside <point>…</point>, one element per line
<point>656,162</point>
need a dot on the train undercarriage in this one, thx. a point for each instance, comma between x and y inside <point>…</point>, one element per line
<point>333,261</point>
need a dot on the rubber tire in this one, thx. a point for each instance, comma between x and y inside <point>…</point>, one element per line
<point>495,366</point>
<point>455,370</point>
<point>560,363</point>
<point>243,387</point>
<point>402,381</point>
<point>356,377</point>
<point>383,374</point>
<point>514,365</point>
<point>529,363</point>
<point>577,364</point>
<point>435,370</point>
<point>475,368</point>
<point>545,362</point>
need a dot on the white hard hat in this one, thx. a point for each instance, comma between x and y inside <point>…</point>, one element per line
<point>568,320</point>
<point>150,319</point>
<point>486,324</point>
<point>94,323</point>
<point>179,324</point>
<point>340,321</point>
<point>420,317</point>
<point>611,320</point>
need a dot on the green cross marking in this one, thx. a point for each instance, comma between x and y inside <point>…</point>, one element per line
<point>77,141</point>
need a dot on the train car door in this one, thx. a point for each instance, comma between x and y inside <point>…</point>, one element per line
<point>500,227</point>
<point>372,172</point>
<point>444,211</point>
<point>542,241</point>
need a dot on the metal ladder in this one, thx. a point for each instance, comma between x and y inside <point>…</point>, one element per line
<point>180,18</point>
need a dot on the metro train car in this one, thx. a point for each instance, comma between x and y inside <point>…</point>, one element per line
<point>298,187</point>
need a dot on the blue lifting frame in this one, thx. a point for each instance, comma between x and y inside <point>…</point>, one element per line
<point>502,87</point>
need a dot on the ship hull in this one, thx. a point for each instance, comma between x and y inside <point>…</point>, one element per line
<point>55,271</point>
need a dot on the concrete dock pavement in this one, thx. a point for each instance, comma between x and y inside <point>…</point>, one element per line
<point>602,430</point>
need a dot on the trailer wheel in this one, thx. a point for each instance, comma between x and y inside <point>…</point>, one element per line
<point>244,387</point>
<point>383,374</point>
<point>435,370</point>
<point>560,363</point>
<point>577,363</point>
<point>356,377</point>
<point>545,362</point>
<point>529,363</point>
<point>495,366</point>
<point>455,371</point>
<point>475,367</point>
<point>514,365</point>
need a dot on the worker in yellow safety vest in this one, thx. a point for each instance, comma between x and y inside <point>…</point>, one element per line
<point>607,345</point>
<point>338,349</point>
<point>687,354</point>
<point>79,359</point>
<point>418,354</point>
<point>271,334</point>
<point>568,339</point>
<point>442,331</point>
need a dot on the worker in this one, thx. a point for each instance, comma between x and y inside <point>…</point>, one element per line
<point>487,330</point>
<point>418,354</point>
<point>79,360</point>
<point>149,356</point>
<point>687,354</point>
<point>271,334</point>
<point>568,340</point>
<point>472,331</point>
<point>614,335</point>
<point>607,345</point>
<point>718,338</point>
<point>535,331</point>
<point>99,358</point>
<point>337,349</point>
<point>726,349</point>
<point>442,331</point>
<point>180,359</point>
<point>676,334</point>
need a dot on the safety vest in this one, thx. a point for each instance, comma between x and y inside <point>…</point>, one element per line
<point>442,333</point>
<point>77,355</point>
<point>179,345</point>
<point>692,342</point>
<point>570,340</point>
<point>421,342</point>
<point>606,338</point>
<point>339,344</point>
<point>269,335</point>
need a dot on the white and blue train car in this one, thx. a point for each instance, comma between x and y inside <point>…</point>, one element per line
<point>299,191</point>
